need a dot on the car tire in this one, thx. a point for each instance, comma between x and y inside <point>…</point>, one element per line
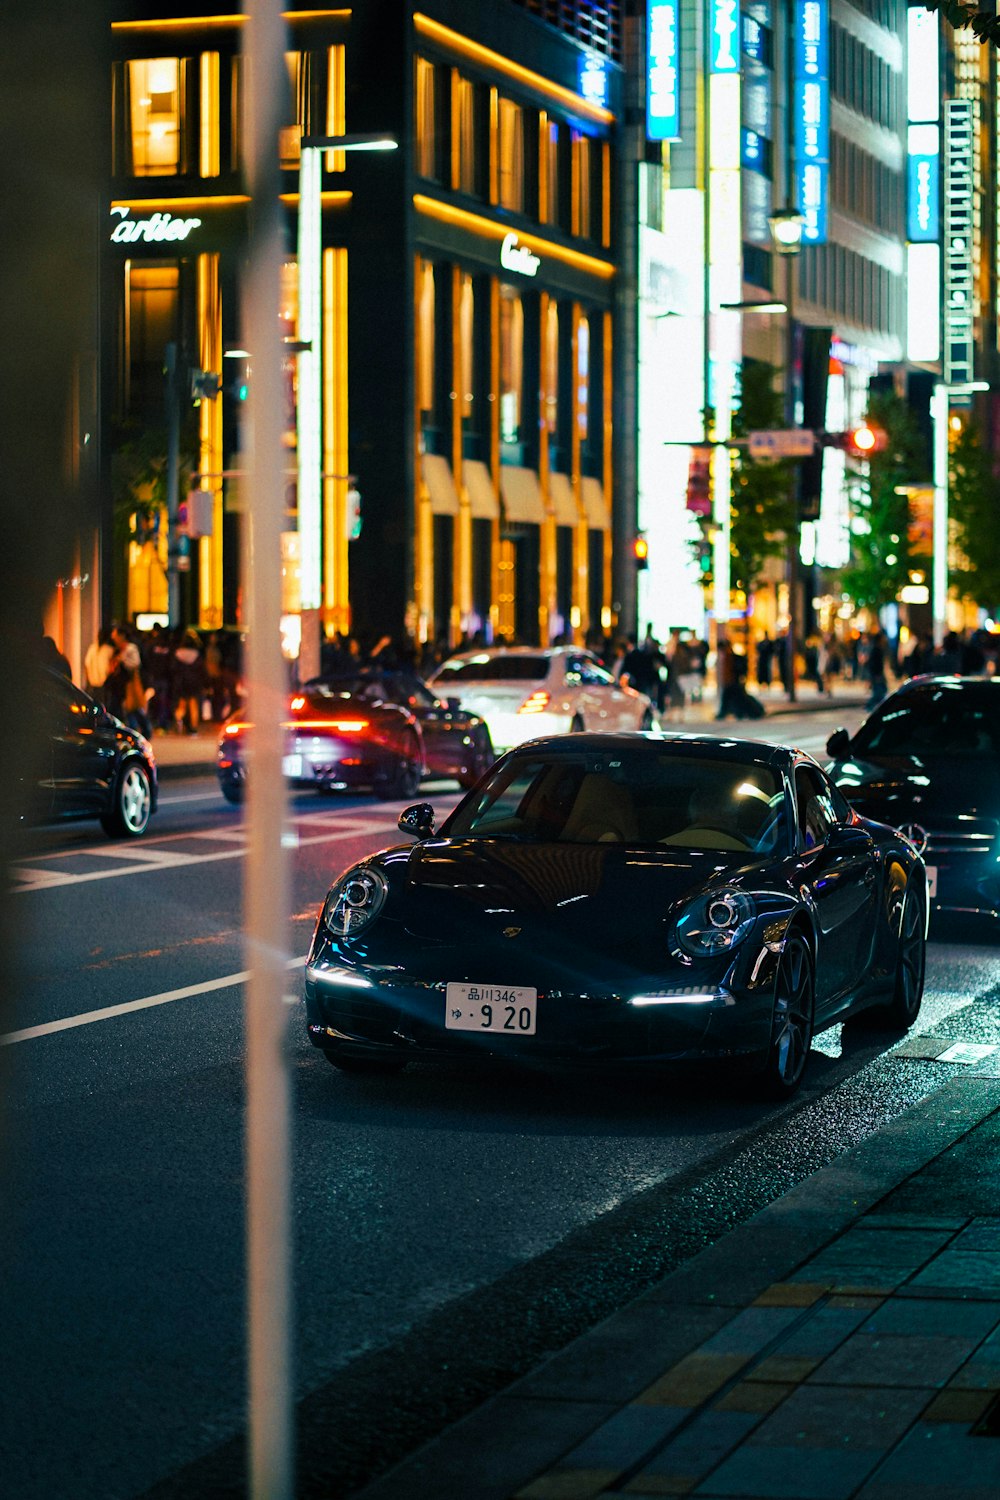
<point>132,803</point>
<point>373,1066</point>
<point>791,1021</point>
<point>908,986</point>
<point>483,757</point>
<point>400,777</point>
<point>577,726</point>
<point>232,791</point>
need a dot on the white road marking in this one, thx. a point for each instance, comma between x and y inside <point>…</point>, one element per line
<point>109,1012</point>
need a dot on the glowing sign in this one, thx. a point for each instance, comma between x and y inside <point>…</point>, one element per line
<point>923,303</point>
<point>811,103</point>
<point>158,228</point>
<point>725,30</point>
<point>515,257</point>
<point>663,118</point>
<point>923,204</point>
<point>923,79</point>
<point>959,163</point>
<point>593,80</point>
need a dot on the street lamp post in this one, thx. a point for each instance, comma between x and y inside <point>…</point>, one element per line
<point>940,420</point>
<point>786,225</point>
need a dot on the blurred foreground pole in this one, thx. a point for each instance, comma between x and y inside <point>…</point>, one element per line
<point>271,1440</point>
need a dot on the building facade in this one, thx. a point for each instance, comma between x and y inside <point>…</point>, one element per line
<point>462,447</point>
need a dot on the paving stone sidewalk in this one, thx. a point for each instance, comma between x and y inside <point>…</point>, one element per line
<point>842,1345</point>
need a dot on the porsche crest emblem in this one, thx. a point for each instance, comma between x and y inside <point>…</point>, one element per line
<point>511,931</point>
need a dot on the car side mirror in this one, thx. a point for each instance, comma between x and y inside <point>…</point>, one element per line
<point>417,820</point>
<point>838,745</point>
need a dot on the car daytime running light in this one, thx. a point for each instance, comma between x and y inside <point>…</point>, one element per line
<point>355,901</point>
<point>715,923</point>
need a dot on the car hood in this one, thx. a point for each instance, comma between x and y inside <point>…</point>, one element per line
<point>894,788</point>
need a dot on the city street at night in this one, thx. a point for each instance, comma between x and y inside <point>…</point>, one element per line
<point>451,1228</point>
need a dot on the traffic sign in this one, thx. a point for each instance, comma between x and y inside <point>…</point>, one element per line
<point>782,442</point>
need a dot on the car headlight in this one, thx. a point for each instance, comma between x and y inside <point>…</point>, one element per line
<point>355,901</point>
<point>715,923</point>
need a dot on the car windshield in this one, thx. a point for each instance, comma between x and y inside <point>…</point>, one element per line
<point>641,796</point>
<point>493,669</point>
<point>946,719</point>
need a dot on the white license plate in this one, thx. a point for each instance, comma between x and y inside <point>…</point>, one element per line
<point>931,880</point>
<point>490,1007</point>
<point>291,765</point>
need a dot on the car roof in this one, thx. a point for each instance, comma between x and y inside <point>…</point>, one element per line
<point>948,679</point>
<point>711,747</point>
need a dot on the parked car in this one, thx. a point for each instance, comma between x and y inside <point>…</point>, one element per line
<point>92,765</point>
<point>525,691</point>
<point>622,899</point>
<point>927,761</point>
<point>456,743</point>
<point>334,740</point>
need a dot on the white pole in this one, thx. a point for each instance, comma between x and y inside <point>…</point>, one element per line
<point>310,392</point>
<point>939,575</point>
<point>266,899</point>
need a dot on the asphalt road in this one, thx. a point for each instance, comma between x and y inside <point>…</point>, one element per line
<point>450,1229</point>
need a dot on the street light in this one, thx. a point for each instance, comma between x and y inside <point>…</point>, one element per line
<point>940,404</point>
<point>786,226</point>
<point>308,350</point>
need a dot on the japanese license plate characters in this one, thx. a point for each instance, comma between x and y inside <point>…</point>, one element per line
<point>511,1011</point>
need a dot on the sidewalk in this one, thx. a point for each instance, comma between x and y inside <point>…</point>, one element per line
<point>844,1344</point>
<point>194,755</point>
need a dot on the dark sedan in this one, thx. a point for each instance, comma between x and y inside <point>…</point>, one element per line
<point>92,765</point>
<point>606,899</point>
<point>927,761</point>
<point>334,740</point>
<point>456,743</point>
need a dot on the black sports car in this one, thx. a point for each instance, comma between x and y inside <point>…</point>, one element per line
<point>623,898</point>
<point>456,743</point>
<point>92,765</point>
<point>927,761</point>
<point>334,740</point>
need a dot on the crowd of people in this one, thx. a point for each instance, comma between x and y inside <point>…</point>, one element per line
<point>161,681</point>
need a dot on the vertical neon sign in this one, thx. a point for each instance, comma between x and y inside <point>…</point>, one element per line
<point>811,104</point>
<point>663,110</point>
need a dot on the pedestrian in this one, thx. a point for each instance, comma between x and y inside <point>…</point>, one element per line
<point>97,663</point>
<point>764,661</point>
<point>875,669</point>
<point>728,681</point>
<point>129,687</point>
<point>638,669</point>
<point>159,664</point>
<point>189,682</point>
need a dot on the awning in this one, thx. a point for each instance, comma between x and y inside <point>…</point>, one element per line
<point>522,497</point>
<point>436,473</point>
<point>483,502</point>
<point>593,505</point>
<point>564,506</point>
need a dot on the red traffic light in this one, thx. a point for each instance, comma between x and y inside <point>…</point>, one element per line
<point>861,441</point>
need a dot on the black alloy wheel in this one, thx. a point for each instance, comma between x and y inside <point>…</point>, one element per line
<point>400,776</point>
<point>481,759</point>
<point>908,989</point>
<point>131,804</point>
<point>792,1021</point>
<point>232,791</point>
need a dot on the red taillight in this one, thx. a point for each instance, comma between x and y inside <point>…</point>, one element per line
<point>537,703</point>
<point>340,726</point>
<point>235,728</point>
<point>297,703</point>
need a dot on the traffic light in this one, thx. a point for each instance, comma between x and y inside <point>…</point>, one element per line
<point>640,553</point>
<point>860,441</point>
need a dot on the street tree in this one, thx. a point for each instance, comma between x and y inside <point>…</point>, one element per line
<point>763,493</point>
<point>973,506</point>
<point>880,546</point>
<point>985,23</point>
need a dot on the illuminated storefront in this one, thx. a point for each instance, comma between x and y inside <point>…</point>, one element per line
<point>459,479</point>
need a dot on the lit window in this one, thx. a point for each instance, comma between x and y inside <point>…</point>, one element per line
<point>298,84</point>
<point>511,155</point>
<point>208,145</point>
<point>549,171</point>
<point>465,374</point>
<point>154,108</point>
<point>550,373</point>
<point>336,104</point>
<point>511,364</point>
<point>425,335</point>
<point>581,185</point>
<point>582,377</point>
<point>465,129</point>
<point>427,143</point>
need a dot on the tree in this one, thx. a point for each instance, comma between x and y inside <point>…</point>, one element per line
<point>763,496</point>
<point>973,507</point>
<point>880,548</point>
<point>984,23</point>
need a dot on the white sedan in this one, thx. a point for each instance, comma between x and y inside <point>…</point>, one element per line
<point>526,691</point>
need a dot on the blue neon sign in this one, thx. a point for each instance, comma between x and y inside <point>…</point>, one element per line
<point>811,103</point>
<point>923,192</point>
<point>663,105</point>
<point>724,42</point>
<point>593,80</point>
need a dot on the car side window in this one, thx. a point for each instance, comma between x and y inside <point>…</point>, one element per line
<point>816,816</point>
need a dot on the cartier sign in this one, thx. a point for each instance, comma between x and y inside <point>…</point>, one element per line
<point>157,228</point>
<point>515,257</point>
